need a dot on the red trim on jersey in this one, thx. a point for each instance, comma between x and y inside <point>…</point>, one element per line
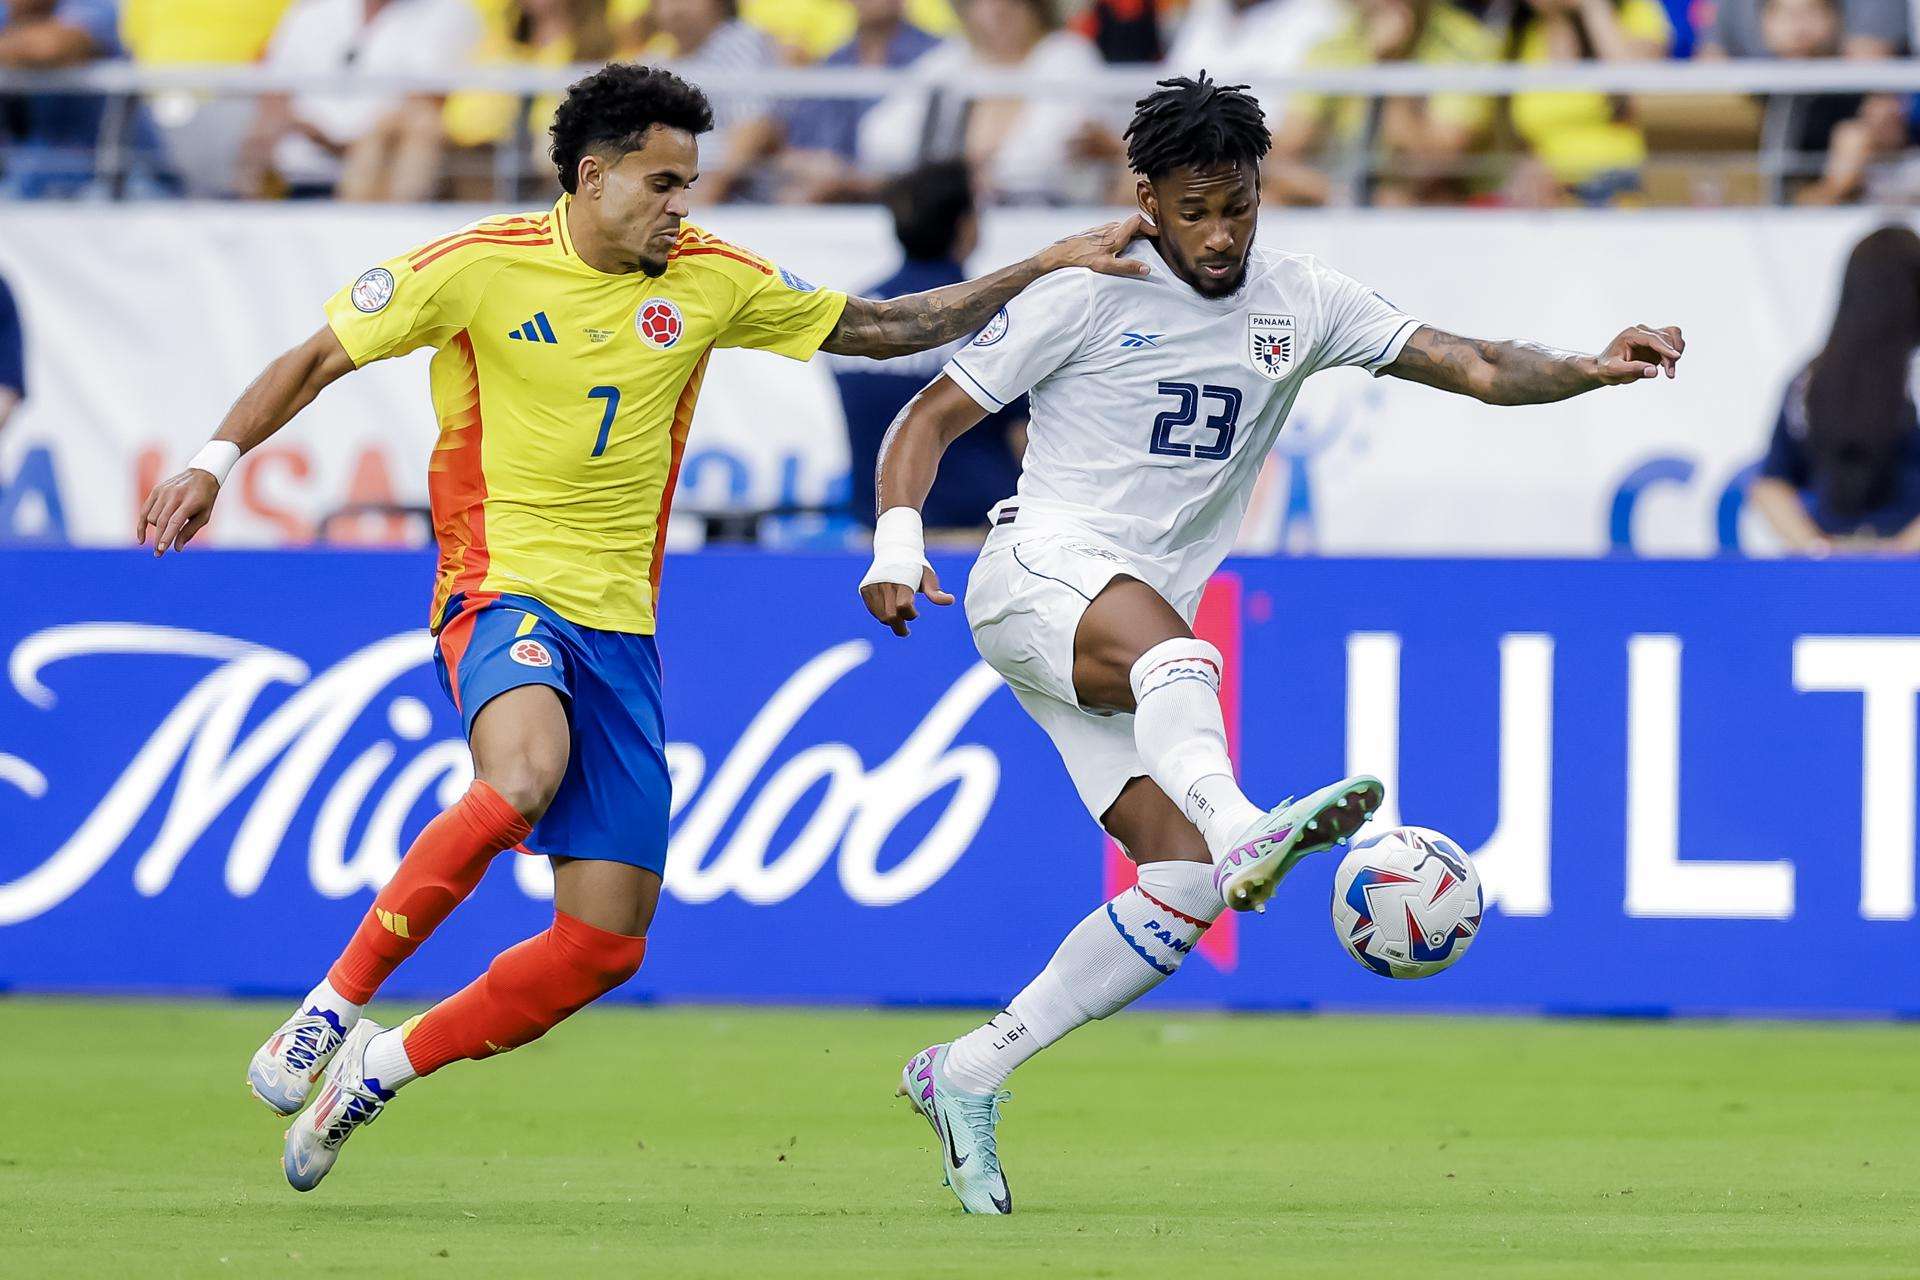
<point>457,488</point>
<point>499,239</point>
<point>729,252</point>
<point>526,226</point>
<point>454,639</point>
<point>682,421</point>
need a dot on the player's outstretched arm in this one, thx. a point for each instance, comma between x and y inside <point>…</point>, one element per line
<point>909,457</point>
<point>1529,373</point>
<point>882,327</point>
<point>182,503</point>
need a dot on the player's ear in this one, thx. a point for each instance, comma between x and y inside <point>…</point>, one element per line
<point>1149,204</point>
<point>588,177</point>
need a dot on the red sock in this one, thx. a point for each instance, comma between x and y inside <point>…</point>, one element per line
<point>526,992</point>
<point>439,871</point>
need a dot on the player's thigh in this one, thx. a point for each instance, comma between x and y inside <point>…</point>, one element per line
<point>1150,826</point>
<point>520,746</point>
<point>1125,620</point>
<point>616,896</point>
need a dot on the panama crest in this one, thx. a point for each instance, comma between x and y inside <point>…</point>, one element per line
<point>1270,339</point>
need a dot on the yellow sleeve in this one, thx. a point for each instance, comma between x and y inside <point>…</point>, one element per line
<point>420,299</point>
<point>781,313</point>
<point>1647,20</point>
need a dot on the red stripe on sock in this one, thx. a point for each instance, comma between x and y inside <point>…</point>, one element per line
<point>1171,910</point>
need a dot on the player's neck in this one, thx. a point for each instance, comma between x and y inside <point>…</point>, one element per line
<point>592,244</point>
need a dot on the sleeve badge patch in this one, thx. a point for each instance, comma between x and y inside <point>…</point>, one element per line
<point>373,290</point>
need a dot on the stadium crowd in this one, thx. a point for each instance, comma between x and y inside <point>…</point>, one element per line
<point>1531,148</point>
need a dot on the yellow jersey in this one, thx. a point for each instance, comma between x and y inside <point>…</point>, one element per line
<point>564,395</point>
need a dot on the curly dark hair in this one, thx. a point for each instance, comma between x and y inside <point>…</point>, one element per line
<point>613,108</point>
<point>1196,122</point>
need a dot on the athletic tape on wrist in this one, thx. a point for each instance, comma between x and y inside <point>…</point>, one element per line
<point>216,458</point>
<point>899,549</point>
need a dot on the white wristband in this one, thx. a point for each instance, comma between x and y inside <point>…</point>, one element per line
<point>899,549</point>
<point>216,458</point>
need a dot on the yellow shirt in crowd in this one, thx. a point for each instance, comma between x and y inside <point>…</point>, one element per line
<point>1577,135</point>
<point>188,31</point>
<point>1451,36</point>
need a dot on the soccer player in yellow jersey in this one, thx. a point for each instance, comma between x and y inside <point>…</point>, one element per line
<point>571,345</point>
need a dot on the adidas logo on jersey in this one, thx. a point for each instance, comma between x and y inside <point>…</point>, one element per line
<point>534,330</point>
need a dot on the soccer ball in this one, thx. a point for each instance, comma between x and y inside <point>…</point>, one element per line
<point>1406,902</point>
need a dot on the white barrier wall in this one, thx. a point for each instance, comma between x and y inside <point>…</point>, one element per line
<point>145,321</point>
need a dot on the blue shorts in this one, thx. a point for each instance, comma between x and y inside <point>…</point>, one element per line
<point>615,798</point>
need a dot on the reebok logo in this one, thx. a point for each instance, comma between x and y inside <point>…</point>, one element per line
<point>534,330</point>
<point>1134,341</point>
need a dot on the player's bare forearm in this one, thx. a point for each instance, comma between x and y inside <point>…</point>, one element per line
<point>284,388</point>
<point>181,505</point>
<point>883,327</point>
<point>938,414</point>
<point>1519,372</point>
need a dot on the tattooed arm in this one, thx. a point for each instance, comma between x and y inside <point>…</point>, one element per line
<point>920,321</point>
<point>1529,373</point>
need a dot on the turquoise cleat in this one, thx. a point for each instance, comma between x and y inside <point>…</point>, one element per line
<point>1250,871</point>
<point>963,1125</point>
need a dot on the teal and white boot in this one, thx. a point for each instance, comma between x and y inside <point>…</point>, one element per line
<point>1248,873</point>
<point>963,1125</point>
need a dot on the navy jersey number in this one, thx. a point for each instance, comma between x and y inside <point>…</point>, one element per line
<point>1188,400</point>
<point>612,396</point>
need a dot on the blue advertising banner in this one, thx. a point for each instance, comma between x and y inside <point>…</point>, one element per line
<point>1689,786</point>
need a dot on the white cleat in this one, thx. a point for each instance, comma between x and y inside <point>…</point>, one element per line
<point>346,1102</point>
<point>1247,876</point>
<point>284,1068</point>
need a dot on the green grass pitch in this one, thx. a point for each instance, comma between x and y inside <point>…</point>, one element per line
<point>745,1142</point>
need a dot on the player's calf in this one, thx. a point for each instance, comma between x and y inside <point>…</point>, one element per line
<point>1181,736</point>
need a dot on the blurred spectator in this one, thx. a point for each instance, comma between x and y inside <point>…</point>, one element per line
<point>1583,145</point>
<point>1043,150</point>
<point>821,135</point>
<point>369,145</point>
<point>13,356</point>
<point>1242,39</point>
<point>1799,127</point>
<point>200,133</point>
<point>1867,157</point>
<point>935,221</point>
<point>1418,146</point>
<point>530,33</point>
<point>56,136</point>
<point>1869,29</point>
<point>1122,30</point>
<point>808,29</point>
<point>700,37</point>
<point>1843,468</point>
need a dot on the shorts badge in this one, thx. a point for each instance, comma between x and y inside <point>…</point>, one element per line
<point>530,653</point>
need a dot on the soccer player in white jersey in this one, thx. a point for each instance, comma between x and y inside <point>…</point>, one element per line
<point>1155,401</point>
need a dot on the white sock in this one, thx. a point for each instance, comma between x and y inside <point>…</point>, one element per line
<point>1126,948</point>
<point>325,1000</point>
<point>386,1066</point>
<point>1182,738</point>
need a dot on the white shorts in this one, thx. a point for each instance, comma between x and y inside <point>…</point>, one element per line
<point>1024,600</point>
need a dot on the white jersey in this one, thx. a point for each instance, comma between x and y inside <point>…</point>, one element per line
<point>1153,407</point>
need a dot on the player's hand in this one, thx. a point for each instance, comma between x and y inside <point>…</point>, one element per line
<point>892,602</point>
<point>1639,352</point>
<point>1100,249</point>
<point>178,508</point>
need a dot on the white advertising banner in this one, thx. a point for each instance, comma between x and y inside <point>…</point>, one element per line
<point>143,322</point>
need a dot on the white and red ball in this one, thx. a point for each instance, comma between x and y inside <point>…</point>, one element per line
<point>1407,902</point>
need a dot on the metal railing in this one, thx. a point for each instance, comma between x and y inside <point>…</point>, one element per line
<point>123,85</point>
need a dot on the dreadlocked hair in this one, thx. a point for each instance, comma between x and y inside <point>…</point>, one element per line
<point>1198,123</point>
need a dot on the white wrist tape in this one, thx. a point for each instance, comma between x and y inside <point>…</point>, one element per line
<point>216,458</point>
<point>899,549</point>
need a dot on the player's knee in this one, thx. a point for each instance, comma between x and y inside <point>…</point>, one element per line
<point>528,779</point>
